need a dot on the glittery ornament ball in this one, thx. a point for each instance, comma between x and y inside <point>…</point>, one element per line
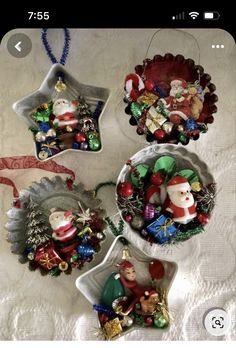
<point>137,222</point>
<point>160,321</point>
<point>125,189</point>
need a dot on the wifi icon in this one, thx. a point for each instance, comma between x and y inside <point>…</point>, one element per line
<point>193,14</point>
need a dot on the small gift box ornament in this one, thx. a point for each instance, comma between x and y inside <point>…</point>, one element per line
<point>162,229</point>
<point>165,194</point>
<point>128,290</point>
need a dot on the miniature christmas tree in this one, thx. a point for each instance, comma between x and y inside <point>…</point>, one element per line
<point>37,230</point>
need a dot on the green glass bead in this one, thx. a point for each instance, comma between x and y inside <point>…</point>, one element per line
<point>203,128</point>
<point>183,139</point>
<point>54,272</point>
<point>160,321</point>
<point>94,144</point>
<point>74,258</point>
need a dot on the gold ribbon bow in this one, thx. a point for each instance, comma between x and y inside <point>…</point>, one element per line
<point>164,228</point>
<point>50,146</point>
<point>46,261</point>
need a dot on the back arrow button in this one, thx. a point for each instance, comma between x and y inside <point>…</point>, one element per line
<point>19,45</point>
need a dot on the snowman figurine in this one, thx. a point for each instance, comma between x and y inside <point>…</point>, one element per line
<point>181,202</point>
<point>62,225</point>
<point>65,113</point>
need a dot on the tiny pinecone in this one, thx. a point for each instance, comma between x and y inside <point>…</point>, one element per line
<point>37,230</point>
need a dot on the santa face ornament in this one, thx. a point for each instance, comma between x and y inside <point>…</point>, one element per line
<point>182,204</point>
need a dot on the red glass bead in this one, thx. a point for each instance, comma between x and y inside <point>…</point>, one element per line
<point>80,137</point>
<point>157,179</point>
<point>203,218</point>
<point>125,189</point>
<point>159,134</point>
<point>149,321</point>
<point>127,217</point>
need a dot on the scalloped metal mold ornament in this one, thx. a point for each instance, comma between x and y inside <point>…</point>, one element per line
<point>48,194</point>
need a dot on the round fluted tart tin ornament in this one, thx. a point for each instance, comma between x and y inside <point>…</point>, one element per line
<point>172,200</point>
<point>57,226</point>
<point>170,99</point>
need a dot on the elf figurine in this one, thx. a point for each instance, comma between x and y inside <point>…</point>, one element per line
<point>65,113</point>
<point>62,225</point>
<point>181,202</point>
<point>118,283</point>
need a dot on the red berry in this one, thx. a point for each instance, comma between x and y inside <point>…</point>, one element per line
<point>157,179</point>
<point>149,321</point>
<point>159,134</point>
<point>125,189</point>
<point>80,137</point>
<point>203,218</point>
<point>103,317</point>
<point>128,217</point>
<point>149,85</point>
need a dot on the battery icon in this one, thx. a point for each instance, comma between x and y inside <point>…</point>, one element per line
<point>213,15</point>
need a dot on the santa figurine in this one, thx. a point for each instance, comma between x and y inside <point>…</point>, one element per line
<point>181,202</point>
<point>62,225</point>
<point>178,103</point>
<point>65,113</point>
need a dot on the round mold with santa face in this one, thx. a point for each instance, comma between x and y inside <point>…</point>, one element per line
<point>170,207</point>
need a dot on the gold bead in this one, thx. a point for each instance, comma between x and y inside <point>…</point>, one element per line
<point>63,266</point>
<point>60,86</point>
<point>196,186</point>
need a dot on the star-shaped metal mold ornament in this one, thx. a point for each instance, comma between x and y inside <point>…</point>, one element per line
<point>128,290</point>
<point>64,114</point>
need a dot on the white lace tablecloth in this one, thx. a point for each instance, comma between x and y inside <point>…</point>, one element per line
<point>35,307</point>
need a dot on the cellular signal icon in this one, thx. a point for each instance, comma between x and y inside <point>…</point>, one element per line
<point>178,16</point>
<point>193,14</point>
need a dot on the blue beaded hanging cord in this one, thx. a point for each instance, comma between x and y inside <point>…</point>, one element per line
<point>48,48</point>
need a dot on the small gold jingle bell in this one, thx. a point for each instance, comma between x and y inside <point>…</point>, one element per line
<point>60,86</point>
<point>125,253</point>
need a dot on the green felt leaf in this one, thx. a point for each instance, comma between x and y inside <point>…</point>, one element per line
<point>165,164</point>
<point>142,170</point>
<point>189,174</point>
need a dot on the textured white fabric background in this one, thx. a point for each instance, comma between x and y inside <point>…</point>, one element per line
<point>36,307</point>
